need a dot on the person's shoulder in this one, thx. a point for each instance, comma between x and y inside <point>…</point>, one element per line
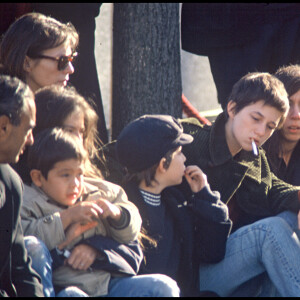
<point>30,193</point>
<point>190,121</point>
<point>10,177</point>
<point>197,130</point>
<point>103,185</point>
<point>191,125</point>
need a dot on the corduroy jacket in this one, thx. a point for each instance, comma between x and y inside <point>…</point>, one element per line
<point>246,177</point>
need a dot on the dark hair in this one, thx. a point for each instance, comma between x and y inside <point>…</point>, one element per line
<point>257,86</point>
<point>13,95</point>
<point>290,77</point>
<point>30,35</point>
<point>54,104</point>
<point>148,175</point>
<point>52,146</point>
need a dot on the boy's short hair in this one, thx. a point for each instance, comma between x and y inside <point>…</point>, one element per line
<point>146,140</point>
<point>52,146</point>
<point>258,86</point>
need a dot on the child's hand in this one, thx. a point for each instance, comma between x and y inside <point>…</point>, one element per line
<point>84,212</point>
<point>75,230</point>
<point>195,178</point>
<point>109,209</point>
<point>82,257</point>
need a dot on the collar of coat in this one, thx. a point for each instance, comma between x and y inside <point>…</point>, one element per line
<point>220,153</point>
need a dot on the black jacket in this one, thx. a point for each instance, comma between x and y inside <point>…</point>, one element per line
<point>289,173</point>
<point>16,275</point>
<point>207,26</point>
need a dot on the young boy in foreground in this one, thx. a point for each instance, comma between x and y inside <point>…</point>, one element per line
<point>185,229</point>
<point>63,210</point>
<point>262,245</point>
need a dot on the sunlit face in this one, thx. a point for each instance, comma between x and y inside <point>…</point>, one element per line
<point>21,135</point>
<point>65,182</point>
<point>42,72</point>
<point>74,123</point>
<point>175,172</point>
<point>254,122</point>
<point>291,127</point>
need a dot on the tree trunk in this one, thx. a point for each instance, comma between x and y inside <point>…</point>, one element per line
<point>146,62</point>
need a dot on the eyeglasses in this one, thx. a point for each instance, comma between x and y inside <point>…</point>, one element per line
<point>63,61</point>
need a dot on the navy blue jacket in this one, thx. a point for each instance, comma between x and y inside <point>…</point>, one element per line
<point>200,226</point>
<point>118,259</point>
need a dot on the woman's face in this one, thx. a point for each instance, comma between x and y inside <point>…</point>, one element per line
<point>291,127</point>
<point>42,72</point>
<point>254,122</point>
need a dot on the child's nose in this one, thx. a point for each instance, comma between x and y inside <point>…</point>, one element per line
<point>76,182</point>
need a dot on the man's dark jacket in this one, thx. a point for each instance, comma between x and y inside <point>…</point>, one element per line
<point>16,275</point>
<point>245,177</point>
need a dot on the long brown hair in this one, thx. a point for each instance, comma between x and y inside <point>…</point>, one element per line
<point>54,104</point>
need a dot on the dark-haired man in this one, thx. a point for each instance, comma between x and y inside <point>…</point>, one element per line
<point>17,119</point>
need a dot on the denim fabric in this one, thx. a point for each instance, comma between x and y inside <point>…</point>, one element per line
<point>262,259</point>
<point>42,264</point>
<point>153,285</point>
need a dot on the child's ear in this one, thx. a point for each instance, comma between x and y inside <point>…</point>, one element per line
<point>231,108</point>
<point>36,177</point>
<point>161,165</point>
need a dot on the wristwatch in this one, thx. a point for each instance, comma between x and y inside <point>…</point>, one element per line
<point>65,253</point>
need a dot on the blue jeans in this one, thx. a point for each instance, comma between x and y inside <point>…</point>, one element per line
<point>42,264</point>
<point>262,259</point>
<point>154,285</point>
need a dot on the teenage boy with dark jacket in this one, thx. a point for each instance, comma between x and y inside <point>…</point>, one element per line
<point>261,243</point>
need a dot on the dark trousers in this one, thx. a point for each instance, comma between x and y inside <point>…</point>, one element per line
<point>276,45</point>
